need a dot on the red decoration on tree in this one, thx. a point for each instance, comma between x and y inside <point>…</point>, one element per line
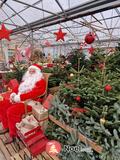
<point>5,33</point>
<point>89,38</point>
<point>78,98</point>
<point>108,87</point>
<point>91,50</point>
<point>82,44</point>
<point>82,110</point>
<point>101,66</point>
<point>60,35</point>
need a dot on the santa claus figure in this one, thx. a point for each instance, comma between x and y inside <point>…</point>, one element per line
<point>32,87</point>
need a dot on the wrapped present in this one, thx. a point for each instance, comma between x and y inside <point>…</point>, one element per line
<point>13,84</point>
<point>27,124</point>
<point>34,104</point>
<point>47,102</point>
<point>40,112</point>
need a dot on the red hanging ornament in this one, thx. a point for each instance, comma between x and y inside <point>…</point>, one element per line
<point>47,43</point>
<point>108,88</point>
<point>89,38</point>
<point>5,33</point>
<point>78,98</point>
<point>91,50</point>
<point>60,35</point>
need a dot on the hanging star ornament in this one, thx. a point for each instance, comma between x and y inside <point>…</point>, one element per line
<point>5,33</point>
<point>60,35</point>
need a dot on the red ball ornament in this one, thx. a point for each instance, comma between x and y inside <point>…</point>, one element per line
<point>89,38</point>
<point>78,98</point>
<point>108,87</point>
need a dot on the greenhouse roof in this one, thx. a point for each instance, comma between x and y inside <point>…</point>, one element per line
<point>41,18</point>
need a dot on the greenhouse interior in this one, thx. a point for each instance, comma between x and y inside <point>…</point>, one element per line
<point>60,79</point>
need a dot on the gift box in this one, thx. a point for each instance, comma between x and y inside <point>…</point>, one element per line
<point>13,84</point>
<point>34,140</point>
<point>40,112</point>
<point>27,124</point>
<point>34,104</point>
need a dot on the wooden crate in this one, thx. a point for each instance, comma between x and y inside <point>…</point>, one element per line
<point>82,138</point>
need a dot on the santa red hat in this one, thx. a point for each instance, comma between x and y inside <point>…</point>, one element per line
<point>36,67</point>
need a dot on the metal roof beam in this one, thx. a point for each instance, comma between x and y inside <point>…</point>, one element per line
<point>73,13</point>
<point>22,10</point>
<point>57,1</point>
<point>35,7</point>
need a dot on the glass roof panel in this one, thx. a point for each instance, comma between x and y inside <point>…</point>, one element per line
<point>32,14</point>
<point>103,23</point>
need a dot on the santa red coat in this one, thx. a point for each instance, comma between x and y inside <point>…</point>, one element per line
<point>11,113</point>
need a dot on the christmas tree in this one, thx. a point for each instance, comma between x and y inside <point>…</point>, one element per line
<point>93,106</point>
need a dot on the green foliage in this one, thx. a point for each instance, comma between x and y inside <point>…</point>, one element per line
<point>82,151</point>
<point>17,73</point>
<point>73,57</point>
<point>60,110</point>
<point>60,74</point>
<point>113,62</point>
<point>100,104</point>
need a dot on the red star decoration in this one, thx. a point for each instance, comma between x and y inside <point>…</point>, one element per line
<point>91,50</point>
<point>5,33</point>
<point>60,35</point>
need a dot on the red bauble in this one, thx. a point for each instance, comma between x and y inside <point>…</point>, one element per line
<point>108,87</point>
<point>89,38</point>
<point>78,98</point>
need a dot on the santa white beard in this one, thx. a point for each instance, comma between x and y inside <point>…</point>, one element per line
<point>29,81</point>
